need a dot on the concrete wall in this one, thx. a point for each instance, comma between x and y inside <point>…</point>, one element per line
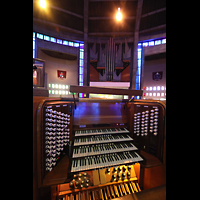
<point>154,66</point>
<point>150,66</point>
<point>52,65</point>
<point>154,49</point>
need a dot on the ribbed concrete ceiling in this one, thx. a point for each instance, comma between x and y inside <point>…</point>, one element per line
<point>101,16</point>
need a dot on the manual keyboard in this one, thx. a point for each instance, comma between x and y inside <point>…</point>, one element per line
<point>97,139</point>
<point>99,148</point>
<point>102,149</point>
<point>101,161</point>
<point>101,131</point>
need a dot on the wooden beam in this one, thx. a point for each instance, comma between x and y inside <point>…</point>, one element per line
<point>102,90</point>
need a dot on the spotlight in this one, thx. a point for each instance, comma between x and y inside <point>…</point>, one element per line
<point>119,15</point>
<point>42,3</point>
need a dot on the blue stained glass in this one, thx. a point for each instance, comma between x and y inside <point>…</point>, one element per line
<point>145,44</point>
<point>71,44</point>
<point>34,35</point>
<point>80,84</point>
<point>80,78</point>
<point>81,95</point>
<point>139,63</point>
<point>81,55</point>
<point>46,38</point>
<point>137,79</point>
<point>81,63</point>
<point>157,42</point>
<point>137,86</point>
<point>76,44</point>
<point>81,70</point>
<point>138,72</point>
<point>40,36</point>
<point>82,46</point>
<point>65,42</point>
<point>59,41</point>
<point>53,39</point>
<point>163,41</point>
<point>139,55</point>
<point>151,43</point>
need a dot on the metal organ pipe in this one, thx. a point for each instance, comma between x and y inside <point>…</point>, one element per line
<point>110,59</point>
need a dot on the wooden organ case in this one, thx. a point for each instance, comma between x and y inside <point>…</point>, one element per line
<point>94,151</point>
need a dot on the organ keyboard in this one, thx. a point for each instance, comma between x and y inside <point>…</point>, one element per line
<point>102,161</point>
<point>94,150</point>
<point>101,139</point>
<point>102,149</point>
<point>99,153</point>
<point>101,131</point>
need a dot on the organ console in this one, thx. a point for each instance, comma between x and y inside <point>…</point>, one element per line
<point>94,151</point>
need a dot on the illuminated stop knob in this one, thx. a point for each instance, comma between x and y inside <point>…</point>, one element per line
<point>77,183</point>
<point>71,184</point>
<point>114,175</point>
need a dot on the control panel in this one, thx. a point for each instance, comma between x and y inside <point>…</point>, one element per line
<point>146,121</point>
<point>57,120</point>
<point>148,127</point>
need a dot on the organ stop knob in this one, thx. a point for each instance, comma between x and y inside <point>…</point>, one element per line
<point>77,183</point>
<point>119,175</point>
<point>71,184</point>
<point>85,173</point>
<point>114,175</point>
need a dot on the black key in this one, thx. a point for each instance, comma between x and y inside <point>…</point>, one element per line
<point>95,160</point>
<point>91,160</point>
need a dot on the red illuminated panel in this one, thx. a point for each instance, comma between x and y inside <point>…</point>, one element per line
<point>61,74</point>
